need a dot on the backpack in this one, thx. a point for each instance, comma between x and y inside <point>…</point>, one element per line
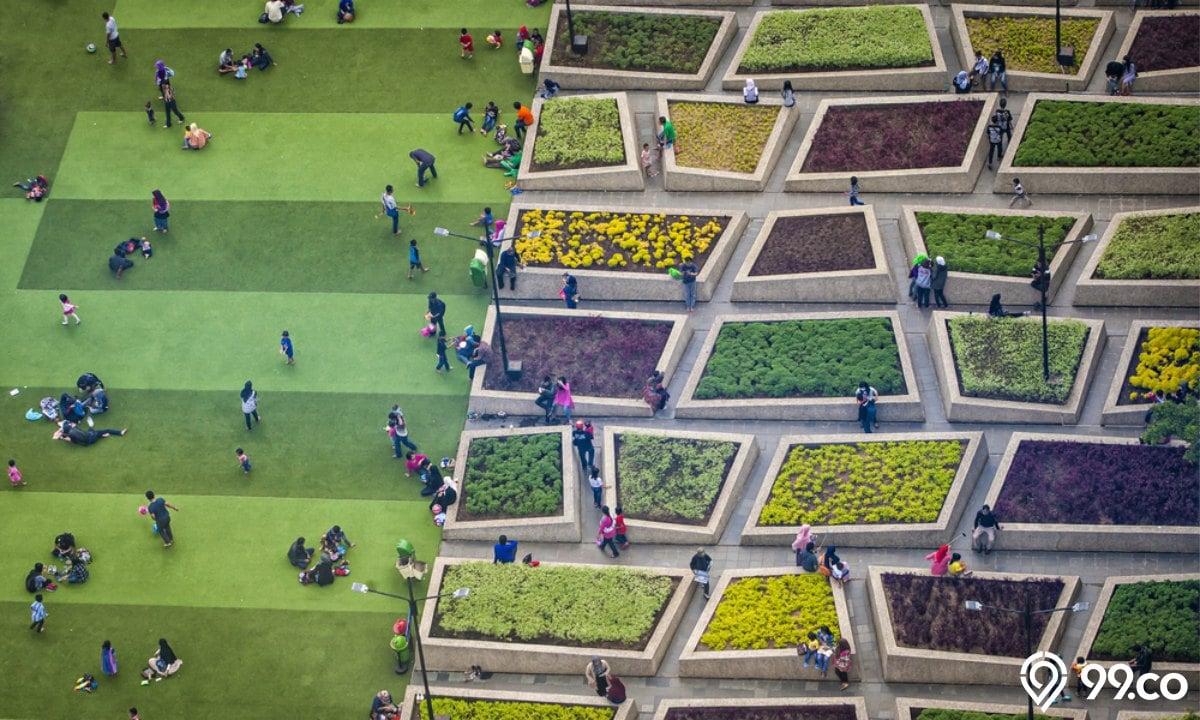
<point>49,407</point>
<point>460,114</point>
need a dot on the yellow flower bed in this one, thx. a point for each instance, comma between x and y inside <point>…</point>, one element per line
<point>612,240</point>
<point>1170,358</point>
<point>757,613</point>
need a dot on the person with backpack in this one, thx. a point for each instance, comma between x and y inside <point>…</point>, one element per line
<point>866,396</point>
<point>995,140</point>
<point>462,116</point>
<point>37,580</point>
<point>321,574</point>
<point>1006,121</point>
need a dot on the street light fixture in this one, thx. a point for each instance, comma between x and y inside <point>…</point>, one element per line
<point>1042,283</point>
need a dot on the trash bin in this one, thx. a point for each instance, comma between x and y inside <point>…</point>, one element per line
<point>403,651</point>
<point>404,549</point>
<point>479,269</point>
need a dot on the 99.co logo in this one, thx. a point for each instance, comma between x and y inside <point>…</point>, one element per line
<point>1044,676</point>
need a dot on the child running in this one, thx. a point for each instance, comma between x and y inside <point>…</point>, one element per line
<point>68,310</point>
<point>14,474</point>
<point>648,161</point>
<point>244,460</point>
<point>414,259</point>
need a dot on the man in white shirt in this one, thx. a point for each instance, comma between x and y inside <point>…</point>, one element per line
<point>112,37</point>
<point>274,10</point>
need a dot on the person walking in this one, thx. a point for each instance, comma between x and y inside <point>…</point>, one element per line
<point>14,474</point>
<point>68,309</point>
<point>37,613</point>
<point>169,104</point>
<point>853,192</point>
<point>597,485</point>
<point>995,138</point>
<point>687,278</point>
<point>414,259</point>
<point>562,397</point>
<point>286,349</point>
<point>250,404</point>
<point>622,531</point>
<point>1019,193</point>
<point>701,565</point>
<point>108,659</point>
<point>596,674</point>
<point>397,414</point>
<point>462,116</point>
<point>570,291</point>
<point>113,38</point>
<point>425,161</point>
<point>842,662</point>
<point>937,282</point>
<point>437,313</point>
<point>582,438</point>
<point>1006,121</point>
<point>162,210</point>
<point>922,281</point>
<point>606,534</point>
<point>158,508</point>
<point>442,362</point>
<point>507,265</point>
<point>866,396</point>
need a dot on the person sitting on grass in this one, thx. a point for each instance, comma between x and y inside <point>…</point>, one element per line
<point>64,546</point>
<point>334,544</point>
<point>345,12</point>
<point>70,433</point>
<point>195,137</point>
<point>38,580</point>
<point>321,574</point>
<point>163,663</point>
<point>227,63</point>
<point>299,555</point>
<point>35,188</point>
<point>260,58</point>
<point>383,708</point>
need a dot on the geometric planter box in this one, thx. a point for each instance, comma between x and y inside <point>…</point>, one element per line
<point>872,284</point>
<point>962,408</point>
<point>1114,412</point>
<point>621,176</point>
<point>446,653</point>
<point>563,527</point>
<point>411,708</point>
<point>681,177</point>
<point>908,664</point>
<point>1181,80</point>
<point>978,288</point>
<point>959,178</point>
<point>1094,180</point>
<point>906,707</point>
<point>1025,80</point>
<point>539,283</point>
<point>734,705</point>
<point>888,534</point>
<point>610,79</point>
<point>767,664</point>
<point>1084,538</point>
<point>650,531</point>
<point>905,407</point>
<point>1090,290</point>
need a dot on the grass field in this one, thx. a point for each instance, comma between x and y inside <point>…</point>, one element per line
<point>272,227</point>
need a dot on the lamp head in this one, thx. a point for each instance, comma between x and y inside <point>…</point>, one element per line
<point>463,592</point>
<point>440,231</point>
<point>973,605</point>
<point>993,235</point>
<point>1090,237</point>
<point>534,234</point>
<point>1080,606</point>
<point>360,588</point>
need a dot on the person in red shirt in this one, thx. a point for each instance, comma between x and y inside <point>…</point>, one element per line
<point>524,119</point>
<point>467,44</point>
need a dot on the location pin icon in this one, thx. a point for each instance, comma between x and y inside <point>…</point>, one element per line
<point>1053,668</point>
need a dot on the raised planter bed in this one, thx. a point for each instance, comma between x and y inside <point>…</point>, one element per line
<point>926,634</point>
<point>723,145</point>
<point>743,366</point>
<point>656,49</point>
<point>1164,369</point>
<point>844,49</point>
<point>879,465</point>
<point>1027,38</point>
<point>509,479</point>
<point>455,702</point>
<point>907,143</point>
<point>820,255</point>
<point>565,620</point>
<point>979,267</point>
<point>1142,152</point>
<point>584,127</point>
<point>626,280</point>
<point>759,629</point>
<point>1157,248</point>
<point>634,345</point>
<point>1165,46</point>
<point>1124,497</point>
<point>772,708</point>
<point>676,486</point>
<point>1013,368</point>
<point>910,708</point>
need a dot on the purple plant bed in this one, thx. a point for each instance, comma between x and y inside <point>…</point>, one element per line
<point>807,712</point>
<point>928,612</point>
<point>893,137</point>
<point>1080,483</point>
<point>1167,43</point>
<point>599,356</point>
<point>815,243</point>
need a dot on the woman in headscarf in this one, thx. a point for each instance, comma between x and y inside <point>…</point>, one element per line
<point>939,559</point>
<point>250,404</point>
<point>164,663</point>
<point>803,538</point>
<point>829,560</point>
<point>162,73</point>
<point>162,211</point>
<point>750,92</point>
<point>597,675</point>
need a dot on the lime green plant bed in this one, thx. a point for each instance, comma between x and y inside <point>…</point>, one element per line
<point>962,240</point>
<point>671,479</point>
<point>500,710</point>
<point>875,482</point>
<point>1165,614</point>
<point>722,136</point>
<point>1153,247</point>
<point>578,132</point>
<point>940,714</point>
<point>1001,358</point>
<point>757,613</point>
<point>1028,42</point>
<point>1110,134</point>
<point>513,476</point>
<point>831,39</point>
<point>642,42</point>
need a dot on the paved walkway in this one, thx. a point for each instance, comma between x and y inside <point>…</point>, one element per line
<point>1093,568</point>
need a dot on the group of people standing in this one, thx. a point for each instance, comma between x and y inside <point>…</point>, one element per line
<point>927,277</point>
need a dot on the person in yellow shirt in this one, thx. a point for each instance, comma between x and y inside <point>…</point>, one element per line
<point>958,568</point>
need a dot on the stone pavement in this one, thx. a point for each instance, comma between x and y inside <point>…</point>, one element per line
<point>1093,568</point>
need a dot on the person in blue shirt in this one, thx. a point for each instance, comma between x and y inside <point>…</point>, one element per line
<point>570,291</point>
<point>285,348</point>
<point>414,259</point>
<point>504,551</point>
<point>345,11</point>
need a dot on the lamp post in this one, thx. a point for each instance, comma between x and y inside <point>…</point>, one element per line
<point>1027,614</point>
<point>513,371</point>
<point>412,611</point>
<point>1041,283</point>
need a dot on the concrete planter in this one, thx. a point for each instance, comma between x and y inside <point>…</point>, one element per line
<point>906,706</point>
<point>411,708</point>
<point>680,177</point>
<point>891,407</point>
<point>736,704</point>
<point>606,79</point>
<point>444,653</point>
<point>539,283</point>
<point>1083,538</point>
<point>962,408</point>
<point>563,527</point>
<point>960,178</point>
<point>648,531</point>
<point>1023,80</point>
<point>1121,3</point>
<point>906,664</point>
<point>770,664</point>
<point>1094,180</point>
<point>1114,412</point>
<point>521,403</point>
<point>909,535</point>
<point>624,176</point>
<point>1090,290</point>
<point>889,79</point>
<point>873,284</point>
<point>978,288</point>
<point>1179,80</point>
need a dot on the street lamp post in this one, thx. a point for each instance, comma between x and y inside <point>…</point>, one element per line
<point>1027,614</point>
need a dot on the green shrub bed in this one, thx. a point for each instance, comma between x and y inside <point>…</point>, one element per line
<point>1164,614</point>
<point>1153,247</point>
<point>460,709</point>
<point>673,480</point>
<point>852,483</point>
<point>758,613</point>
<point>640,42</point>
<point>802,358</point>
<point>599,607</point>
<point>851,38</point>
<point>513,476</point>
<point>1028,42</point>
<point>729,137</point>
<point>578,132</point>
<point>1001,358</point>
<point>1109,134</point>
<point>961,239</point>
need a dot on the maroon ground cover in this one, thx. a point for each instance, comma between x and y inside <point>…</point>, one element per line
<point>1081,483</point>
<point>928,612</point>
<point>1167,43</point>
<point>893,137</point>
<point>598,355</point>
<point>815,243</point>
<point>811,712</point>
